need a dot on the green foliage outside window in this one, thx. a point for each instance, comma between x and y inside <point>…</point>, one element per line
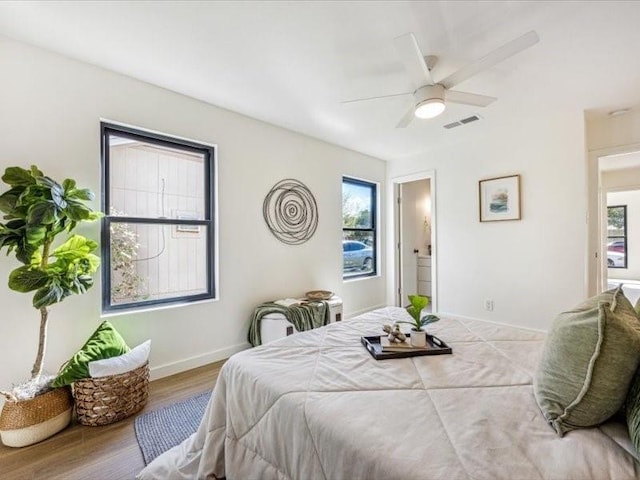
<point>124,250</point>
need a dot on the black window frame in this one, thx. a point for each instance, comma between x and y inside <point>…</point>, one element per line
<point>623,237</point>
<point>374,226</point>
<point>209,153</point>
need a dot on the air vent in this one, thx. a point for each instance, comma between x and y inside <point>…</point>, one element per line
<point>470,119</point>
<point>464,121</point>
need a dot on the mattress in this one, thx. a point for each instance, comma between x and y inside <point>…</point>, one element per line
<point>316,405</point>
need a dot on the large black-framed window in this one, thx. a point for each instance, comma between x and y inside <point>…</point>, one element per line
<point>158,227</point>
<point>359,228</point>
<point>617,245</point>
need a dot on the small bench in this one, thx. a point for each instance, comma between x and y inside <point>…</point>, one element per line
<point>274,326</point>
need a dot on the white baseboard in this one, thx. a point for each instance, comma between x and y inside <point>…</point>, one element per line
<point>194,362</point>
<point>463,317</point>
<point>364,310</point>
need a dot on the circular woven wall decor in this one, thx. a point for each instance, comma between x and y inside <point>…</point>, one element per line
<point>291,212</point>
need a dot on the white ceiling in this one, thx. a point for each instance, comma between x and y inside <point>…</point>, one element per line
<point>292,63</point>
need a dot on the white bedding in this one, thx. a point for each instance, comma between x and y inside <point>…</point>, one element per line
<point>316,405</point>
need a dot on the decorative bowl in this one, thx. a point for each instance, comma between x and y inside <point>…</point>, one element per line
<point>319,295</point>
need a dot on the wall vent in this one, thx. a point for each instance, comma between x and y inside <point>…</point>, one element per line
<point>464,121</point>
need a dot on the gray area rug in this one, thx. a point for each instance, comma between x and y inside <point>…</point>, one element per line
<point>162,429</point>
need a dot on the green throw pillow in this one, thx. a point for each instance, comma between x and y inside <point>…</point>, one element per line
<point>632,407</point>
<point>588,361</point>
<point>105,342</point>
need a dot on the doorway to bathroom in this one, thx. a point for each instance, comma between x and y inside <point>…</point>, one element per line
<point>415,250</point>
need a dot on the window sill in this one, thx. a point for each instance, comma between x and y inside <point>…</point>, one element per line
<point>154,308</point>
<point>360,279</point>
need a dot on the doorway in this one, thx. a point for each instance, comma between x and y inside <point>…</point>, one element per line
<point>619,194</point>
<point>414,232</point>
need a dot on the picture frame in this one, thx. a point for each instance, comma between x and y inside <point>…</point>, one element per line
<point>499,198</point>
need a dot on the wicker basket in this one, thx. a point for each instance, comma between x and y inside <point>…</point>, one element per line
<point>104,400</point>
<point>26,422</point>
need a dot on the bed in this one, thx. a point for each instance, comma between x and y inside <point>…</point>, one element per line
<point>316,405</point>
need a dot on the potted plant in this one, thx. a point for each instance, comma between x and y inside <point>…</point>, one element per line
<point>418,337</point>
<point>37,210</point>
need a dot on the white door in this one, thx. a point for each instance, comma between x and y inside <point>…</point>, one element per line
<point>408,243</point>
<point>415,235</point>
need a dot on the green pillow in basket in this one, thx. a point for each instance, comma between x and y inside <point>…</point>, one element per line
<point>105,342</point>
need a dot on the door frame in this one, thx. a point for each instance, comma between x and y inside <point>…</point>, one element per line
<point>595,279</point>
<point>397,234</point>
<point>603,227</point>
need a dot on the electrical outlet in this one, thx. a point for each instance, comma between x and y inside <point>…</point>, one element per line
<point>488,305</point>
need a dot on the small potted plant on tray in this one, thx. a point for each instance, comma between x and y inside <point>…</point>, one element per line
<point>36,210</point>
<point>418,337</point>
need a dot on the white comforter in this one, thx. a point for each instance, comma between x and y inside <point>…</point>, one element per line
<point>316,405</point>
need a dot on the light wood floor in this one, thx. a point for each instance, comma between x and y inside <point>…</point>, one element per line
<point>109,452</point>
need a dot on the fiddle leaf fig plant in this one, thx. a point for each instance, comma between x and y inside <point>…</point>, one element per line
<point>418,303</point>
<point>37,209</point>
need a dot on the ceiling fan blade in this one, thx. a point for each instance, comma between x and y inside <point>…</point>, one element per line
<point>412,59</point>
<point>468,98</point>
<point>406,120</point>
<point>376,98</point>
<point>491,59</point>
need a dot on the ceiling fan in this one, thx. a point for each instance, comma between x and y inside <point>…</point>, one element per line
<point>430,97</point>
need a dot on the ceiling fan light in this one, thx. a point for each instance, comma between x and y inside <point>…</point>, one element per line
<point>429,108</point>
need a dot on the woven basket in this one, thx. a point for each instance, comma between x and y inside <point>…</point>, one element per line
<point>104,400</point>
<point>26,422</point>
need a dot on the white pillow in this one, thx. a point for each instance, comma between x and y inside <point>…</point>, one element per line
<point>121,364</point>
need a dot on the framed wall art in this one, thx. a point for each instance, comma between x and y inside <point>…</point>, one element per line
<point>291,212</point>
<point>500,198</point>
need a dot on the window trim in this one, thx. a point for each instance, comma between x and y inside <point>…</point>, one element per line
<point>374,227</point>
<point>210,171</point>
<point>623,237</point>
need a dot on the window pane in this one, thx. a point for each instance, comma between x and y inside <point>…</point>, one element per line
<point>617,240</point>
<point>616,221</point>
<point>357,205</point>
<point>358,253</point>
<point>152,262</point>
<point>152,181</point>
<point>616,252</point>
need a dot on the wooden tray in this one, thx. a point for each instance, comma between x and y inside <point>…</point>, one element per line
<point>435,347</point>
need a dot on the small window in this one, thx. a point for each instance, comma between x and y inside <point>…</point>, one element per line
<point>158,229</point>
<point>617,236</point>
<point>359,231</point>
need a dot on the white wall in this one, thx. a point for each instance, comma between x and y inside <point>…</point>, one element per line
<point>533,268</point>
<point>605,132</point>
<point>628,178</point>
<point>50,112</point>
